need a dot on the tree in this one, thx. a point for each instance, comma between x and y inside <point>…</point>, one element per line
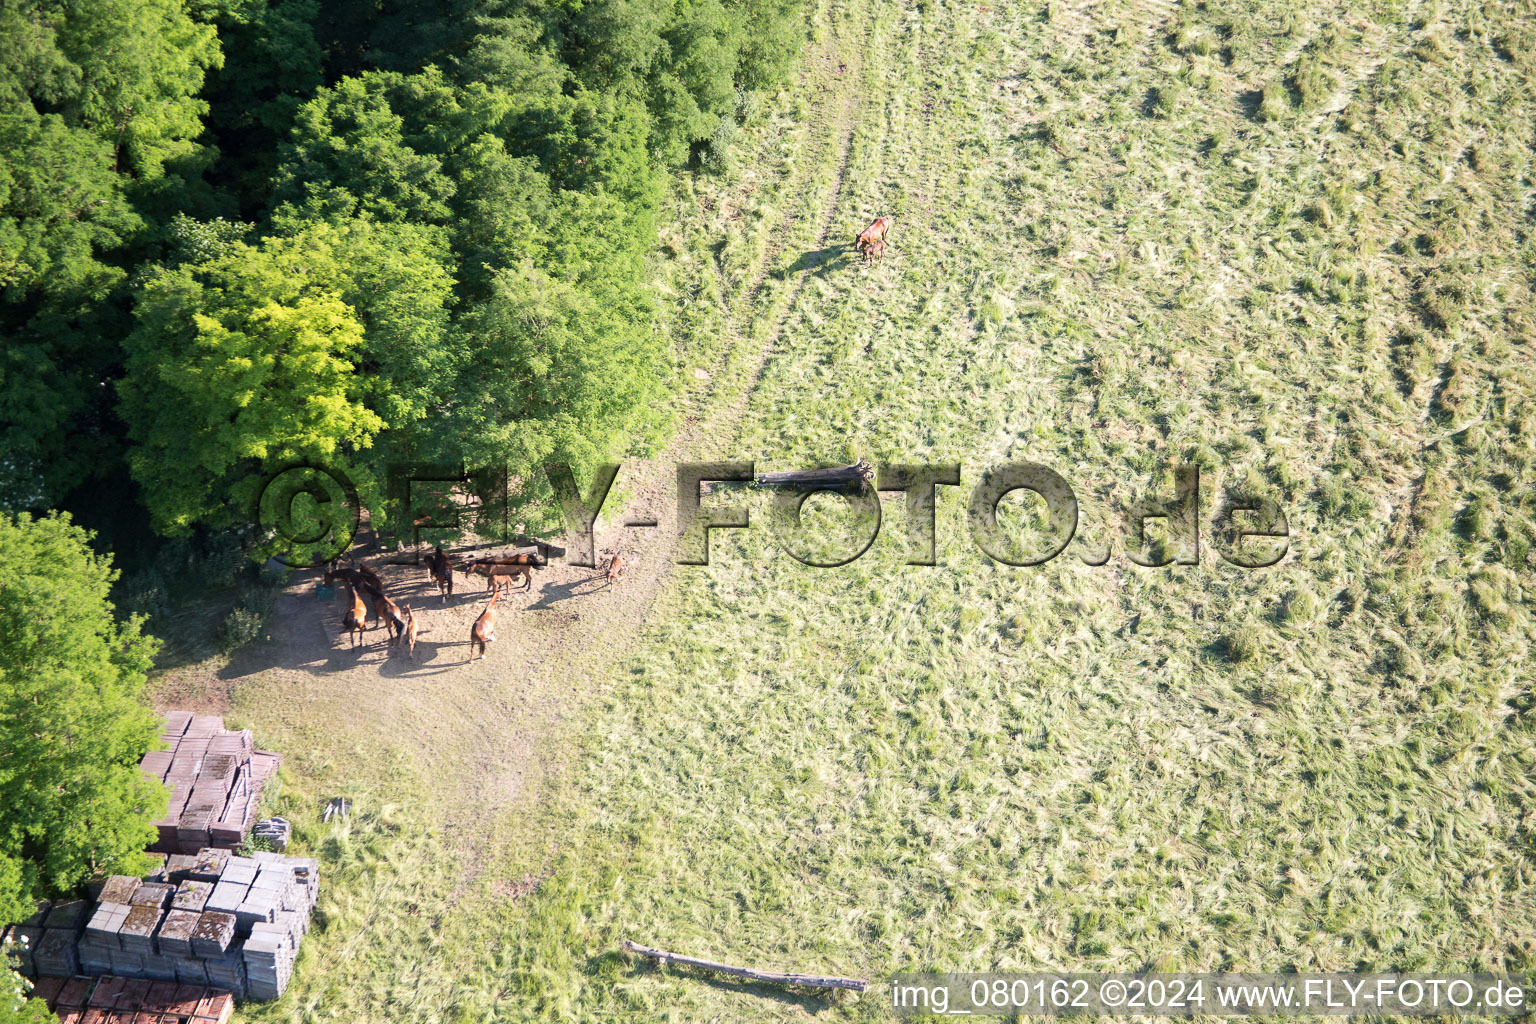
<point>15,1007</point>
<point>299,349</point>
<point>90,92</point>
<point>73,720</point>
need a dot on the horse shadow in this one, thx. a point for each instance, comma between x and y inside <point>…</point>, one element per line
<point>552,594</point>
<point>432,657</point>
<point>819,260</point>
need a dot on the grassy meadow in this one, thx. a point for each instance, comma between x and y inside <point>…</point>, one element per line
<point>1286,243</point>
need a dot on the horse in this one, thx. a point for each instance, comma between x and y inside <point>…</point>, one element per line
<point>484,629</point>
<point>874,251</point>
<point>441,570</point>
<point>879,230</point>
<point>410,631</point>
<point>615,567</point>
<point>508,565</point>
<point>352,621</point>
<point>389,612</point>
<point>355,575</point>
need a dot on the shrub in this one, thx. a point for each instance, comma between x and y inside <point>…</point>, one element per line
<point>1274,102</point>
<point>1242,644</point>
<point>240,627</point>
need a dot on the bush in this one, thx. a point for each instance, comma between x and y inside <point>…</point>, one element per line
<point>1242,645</point>
<point>240,627</point>
<point>1274,102</point>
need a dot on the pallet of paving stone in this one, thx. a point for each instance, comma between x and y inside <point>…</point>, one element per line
<point>205,726</point>
<point>136,935</point>
<point>208,864</point>
<point>153,894</point>
<point>69,913</point>
<point>214,934</point>
<point>161,935</point>
<point>119,889</point>
<point>175,935</point>
<point>175,725</point>
<point>216,777</point>
<point>227,972</point>
<point>56,954</point>
<point>126,1001</point>
<point>192,895</point>
<point>230,826</point>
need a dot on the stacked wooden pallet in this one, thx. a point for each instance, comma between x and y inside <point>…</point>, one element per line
<point>214,919</point>
<point>216,777</point>
<point>129,1001</point>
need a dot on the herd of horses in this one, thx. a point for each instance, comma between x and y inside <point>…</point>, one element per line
<point>366,602</point>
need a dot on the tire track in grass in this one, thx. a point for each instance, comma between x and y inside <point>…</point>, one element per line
<point>575,648</point>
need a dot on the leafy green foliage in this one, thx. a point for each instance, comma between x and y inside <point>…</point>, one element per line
<point>98,103</point>
<point>73,721</point>
<point>15,1007</point>
<point>276,230</point>
<point>299,348</point>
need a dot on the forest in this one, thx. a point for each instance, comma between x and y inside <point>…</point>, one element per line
<point>248,232</point>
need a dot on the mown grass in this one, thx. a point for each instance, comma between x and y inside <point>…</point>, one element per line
<point>1285,243</point>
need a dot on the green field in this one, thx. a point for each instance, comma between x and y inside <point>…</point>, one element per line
<point>1287,243</point>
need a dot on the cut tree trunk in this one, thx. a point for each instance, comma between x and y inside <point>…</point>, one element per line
<point>838,476</point>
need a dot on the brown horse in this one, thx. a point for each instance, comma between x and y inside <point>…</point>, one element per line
<point>615,567</point>
<point>352,621</point>
<point>879,230</point>
<point>410,631</point>
<point>511,566</point>
<point>484,629</point>
<point>370,588</point>
<point>357,575</point>
<point>874,251</point>
<point>441,571</point>
<point>389,612</point>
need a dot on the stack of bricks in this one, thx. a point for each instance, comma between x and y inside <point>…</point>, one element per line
<point>127,1001</point>
<point>216,777</point>
<point>213,919</point>
<point>55,951</point>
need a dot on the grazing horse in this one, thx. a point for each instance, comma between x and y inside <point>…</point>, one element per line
<point>410,631</point>
<point>511,566</point>
<point>879,230</point>
<point>615,567</point>
<point>355,575</point>
<point>484,629</point>
<point>352,621</point>
<point>442,572</point>
<point>364,581</point>
<point>386,610</point>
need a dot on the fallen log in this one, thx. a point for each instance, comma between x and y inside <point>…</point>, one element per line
<point>837,476</point>
<point>772,977</point>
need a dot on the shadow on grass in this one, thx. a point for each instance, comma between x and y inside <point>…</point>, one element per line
<point>819,260</point>
<point>810,1000</point>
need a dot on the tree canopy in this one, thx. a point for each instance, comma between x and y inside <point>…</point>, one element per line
<point>236,232</point>
<point>73,720</point>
